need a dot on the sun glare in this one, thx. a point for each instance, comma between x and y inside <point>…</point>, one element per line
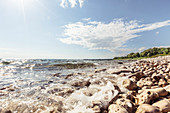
<point>25,2</point>
<point>27,5</point>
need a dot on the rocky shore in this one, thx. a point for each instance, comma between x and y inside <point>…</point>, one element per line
<point>149,88</point>
<point>141,86</point>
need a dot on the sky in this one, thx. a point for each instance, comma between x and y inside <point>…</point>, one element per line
<point>82,29</point>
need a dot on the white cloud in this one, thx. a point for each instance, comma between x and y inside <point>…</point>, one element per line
<point>157,32</point>
<point>72,3</point>
<point>64,3</point>
<point>162,46</point>
<point>141,49</point>
<point>109,36</point>
<point>86,19</point>
<point>7,49</point>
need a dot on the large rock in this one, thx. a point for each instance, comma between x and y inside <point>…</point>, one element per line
<point>137,75</point>
<point>144,82</point>
<point>160,91</point>
<point>145,97</point>
<point>129,84</point>
<point>126,103</point>
<point>146,108</point>
<point>113,108</point>
<point>164,105</point>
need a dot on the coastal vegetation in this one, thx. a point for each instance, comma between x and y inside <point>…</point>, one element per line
<point>5,63</point>
<point>149,53</point>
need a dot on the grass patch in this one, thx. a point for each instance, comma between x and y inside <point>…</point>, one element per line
<point>139,58</point>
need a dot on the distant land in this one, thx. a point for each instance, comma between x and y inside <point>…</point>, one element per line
<point>149,53</point>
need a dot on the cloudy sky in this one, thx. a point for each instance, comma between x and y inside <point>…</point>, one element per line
<point>82,28</point>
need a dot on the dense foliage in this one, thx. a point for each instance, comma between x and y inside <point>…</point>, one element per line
<point>147,53</point>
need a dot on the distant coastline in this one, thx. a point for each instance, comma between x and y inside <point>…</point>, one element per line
<point>149,53</point>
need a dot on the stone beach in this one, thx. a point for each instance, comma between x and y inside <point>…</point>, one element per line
<point>149,88</point>
<point>141,86</point>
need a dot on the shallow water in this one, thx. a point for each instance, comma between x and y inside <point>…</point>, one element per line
<point>41,84</point>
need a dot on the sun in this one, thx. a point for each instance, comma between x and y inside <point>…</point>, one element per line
<point>22,5</point>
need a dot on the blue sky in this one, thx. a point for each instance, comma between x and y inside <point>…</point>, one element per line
<point>82,28</point>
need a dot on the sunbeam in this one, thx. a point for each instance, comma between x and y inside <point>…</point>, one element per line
<point>43,6</point>
<point>23,9</point>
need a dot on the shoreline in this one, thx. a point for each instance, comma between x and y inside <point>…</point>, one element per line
<point>113,87</point>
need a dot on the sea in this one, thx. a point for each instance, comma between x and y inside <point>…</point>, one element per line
<point>59,85</point>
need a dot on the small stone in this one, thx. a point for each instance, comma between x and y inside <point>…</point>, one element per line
<point>137,75</point>
<point>96,109</point>
<point>69,75</point>
<point>162,83</point>
<point>113,108</point>
<point>99,70</point>
<point>81,83</point>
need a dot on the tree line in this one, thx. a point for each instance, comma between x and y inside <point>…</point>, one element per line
<point>147,53</point>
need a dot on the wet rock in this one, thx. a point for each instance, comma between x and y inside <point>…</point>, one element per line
<point>82,83</point>
<point>120,62</point>
<point>66,92</point>
<point>164,105</point>
<point>126,103</point>
<point>96,109</point>
<point>99,70</point>
<point>113,108</point>
<point>146,108</point>
<point>53,90</point>
<point>102,105</point>
<point>69,75</point>
<point>30,93</point>
<point>89,91</point>
<point>56,75</point>
<point>127,96</point>
<point>129,84</point>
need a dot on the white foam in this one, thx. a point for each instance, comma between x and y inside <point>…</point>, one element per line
<point>82,102</point>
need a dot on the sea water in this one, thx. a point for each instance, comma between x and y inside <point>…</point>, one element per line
<point>45,84</point>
